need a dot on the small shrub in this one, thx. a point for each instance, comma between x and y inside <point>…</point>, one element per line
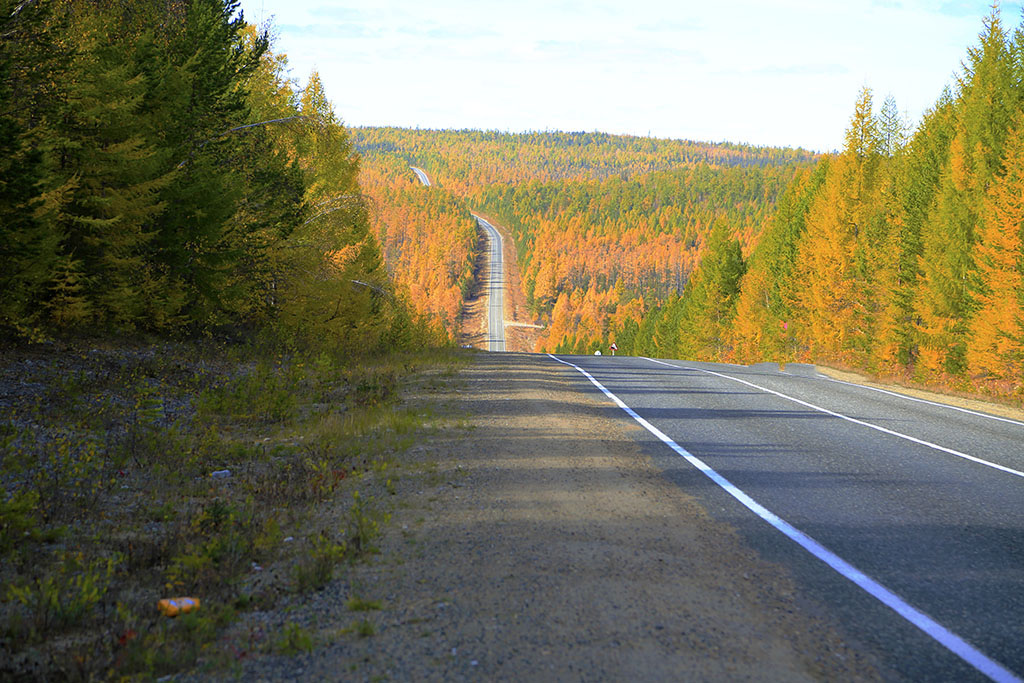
<point>361,605</point>
<point>222,546</point>
<point>365,628</point>
<point>69,477</point>
<point>315,569</point>
<point>66,596</point>
<point>265,394</point>
<point>143,422</point>
<point>294,640</point>
<point>18,521</point>
<point>364,525</point>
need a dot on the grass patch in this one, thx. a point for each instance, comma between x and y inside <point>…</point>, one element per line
<point>356,604</point>
<point>364,628</point>
<point>294,640</point>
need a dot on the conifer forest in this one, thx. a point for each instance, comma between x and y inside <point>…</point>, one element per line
<point>900,254</point>
<point>162,173</point>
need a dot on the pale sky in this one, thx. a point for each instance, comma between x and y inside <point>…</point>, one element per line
<point>762,72</point>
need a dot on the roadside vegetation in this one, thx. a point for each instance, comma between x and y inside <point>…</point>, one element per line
<point>230,473</point>
<point>204,364</point>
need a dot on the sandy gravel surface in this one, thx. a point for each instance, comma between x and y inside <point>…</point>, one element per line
<point>535,540</point>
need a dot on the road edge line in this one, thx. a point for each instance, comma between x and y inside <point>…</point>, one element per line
<point>862,423</point>
<point>916,399</point>
<point>942,635</point>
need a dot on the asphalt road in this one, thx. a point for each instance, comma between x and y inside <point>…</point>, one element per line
<point>422,175</point>
<point>495,288</point>
<point>902,519</point>
<point>496,281</point>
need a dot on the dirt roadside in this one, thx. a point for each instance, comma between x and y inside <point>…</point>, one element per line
<point>535,540</point>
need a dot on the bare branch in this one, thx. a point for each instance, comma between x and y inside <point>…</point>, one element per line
<point>21,7</point>
<point>236,129</point>
<point>373,287</point>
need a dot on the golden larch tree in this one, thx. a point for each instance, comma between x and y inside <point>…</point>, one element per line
<point>996,344</point>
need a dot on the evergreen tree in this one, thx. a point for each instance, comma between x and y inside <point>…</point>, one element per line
<point>112,178</point>
<point>892,129</point>
<point>768,292</point>
<point>198,100</point>
<point>330,276</point>
<point>985,105</point>
<point>27,249</point>
<point>710,297</point>
<point>916,182</point>
<point>666,328</point>
<point>836,301</point>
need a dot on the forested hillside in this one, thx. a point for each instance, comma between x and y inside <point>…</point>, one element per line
<point>162,173</point>
<point>604,225</point>
<point>902,253</point>
<point>428,236</point>
<point>597,254</point>
<point>466,160</point>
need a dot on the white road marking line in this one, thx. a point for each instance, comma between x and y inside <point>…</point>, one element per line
<point>942,635</point>
<point>920,442</point>
<point>931,403</point>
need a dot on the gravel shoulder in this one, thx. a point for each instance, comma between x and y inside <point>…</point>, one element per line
<point>534,539</point>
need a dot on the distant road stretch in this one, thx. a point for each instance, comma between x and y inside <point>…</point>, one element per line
<point>495,289</point>
<point>422,175</point>
<point>904,517</point>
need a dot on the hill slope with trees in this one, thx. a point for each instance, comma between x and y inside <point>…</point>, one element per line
<point>607,225</point>
<point>900,254</point>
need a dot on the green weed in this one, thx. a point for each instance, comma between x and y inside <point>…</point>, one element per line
<point>364,628</point>
<point>69,476</point>
<point>294,640</point>
<point>316,568</point>
<point>263,395</point>
<point>221,546</point>
<point>356,604</point>
<point>65,596</point>
<point>143,421</point>
<point>364,525</point>
<point>18,521</point>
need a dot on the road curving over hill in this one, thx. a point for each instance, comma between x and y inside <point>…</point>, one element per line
<point>495,286</point>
